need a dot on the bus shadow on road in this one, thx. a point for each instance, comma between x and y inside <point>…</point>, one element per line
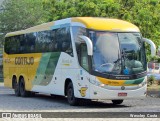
<point>55,98</point>
<point>100,104</point>
<point>83,103</point>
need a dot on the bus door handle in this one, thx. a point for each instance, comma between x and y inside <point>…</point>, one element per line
<point>81,78</point>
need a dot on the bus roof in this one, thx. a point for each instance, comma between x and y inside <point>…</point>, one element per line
<point>95,23</point>
<point>106,24</point>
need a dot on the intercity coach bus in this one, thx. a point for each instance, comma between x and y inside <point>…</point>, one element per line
<point>80,58</point>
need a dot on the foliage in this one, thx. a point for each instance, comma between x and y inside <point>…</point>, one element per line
<point>20,14</point>
<point>151,80</point>
<point>155,59</point>
<point>143,13</point>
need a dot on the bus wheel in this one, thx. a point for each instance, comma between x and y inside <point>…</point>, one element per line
<point>72,100</point>
<point>16,88</point>
<point>117,102</point>
<point>23,92</point>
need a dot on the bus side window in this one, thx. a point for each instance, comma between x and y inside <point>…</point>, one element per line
<point>64,43</point>
<point>84,57</point>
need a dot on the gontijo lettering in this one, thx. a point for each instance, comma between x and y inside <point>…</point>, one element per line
<point>24,61</point>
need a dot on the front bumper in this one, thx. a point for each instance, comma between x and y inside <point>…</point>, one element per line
<point>97,92</point>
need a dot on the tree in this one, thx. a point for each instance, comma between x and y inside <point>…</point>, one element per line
<point>20,14</point>
<point>145,13</point>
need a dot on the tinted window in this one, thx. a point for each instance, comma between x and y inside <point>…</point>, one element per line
<point>81,48</point>
<point>64,40</point>
<point>58,40</point>
<point>43,41</point>
<point>84,57</point>
<point>78,31</point>
<point>29,42</point>
<point>12,45</point>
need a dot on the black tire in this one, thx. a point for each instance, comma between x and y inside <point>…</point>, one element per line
<point>117,102</point>
<point>22,89</point>
<point>72,100</point>
<point>16,88</point>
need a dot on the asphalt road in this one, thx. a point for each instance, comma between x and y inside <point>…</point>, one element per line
<point>45,103</point>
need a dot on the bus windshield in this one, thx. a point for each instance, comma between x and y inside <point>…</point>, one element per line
<point>118,53</point>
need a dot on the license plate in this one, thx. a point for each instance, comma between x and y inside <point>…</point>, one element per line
<point>122,94</point>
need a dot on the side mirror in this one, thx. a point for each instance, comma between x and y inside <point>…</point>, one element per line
<point>88,43</point>
<point>152,45</point>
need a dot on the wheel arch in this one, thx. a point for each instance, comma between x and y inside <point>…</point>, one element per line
<point>14,78</point>
<point>67,81</point>
<point>20,77</point>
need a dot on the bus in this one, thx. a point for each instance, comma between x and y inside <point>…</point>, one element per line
<point>81,58</point>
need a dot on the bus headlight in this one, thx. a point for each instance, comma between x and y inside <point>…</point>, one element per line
<point>94,82</point>
<point>97,83</point>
